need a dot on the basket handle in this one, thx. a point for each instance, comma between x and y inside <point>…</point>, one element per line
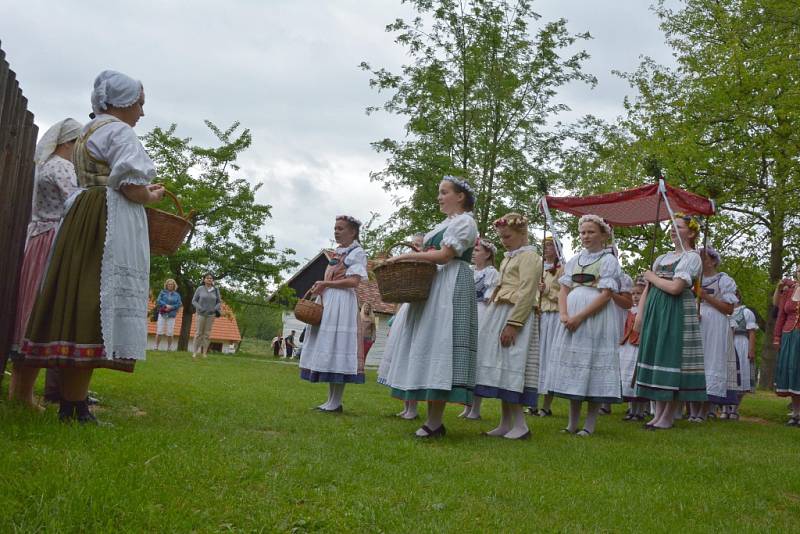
<point>178,205</point>
<point>408,244</point>
<point>308,293</point>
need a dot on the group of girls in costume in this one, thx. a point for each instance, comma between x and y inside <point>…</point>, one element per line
<point>89,308</point>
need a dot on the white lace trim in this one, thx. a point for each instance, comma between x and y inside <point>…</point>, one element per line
<point>133,179</point>
<point>106,275</point>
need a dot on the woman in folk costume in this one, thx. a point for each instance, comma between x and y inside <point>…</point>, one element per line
<point>434,353</point>
<point>508,341</point>
<point>54,182</point>
<point>91,311</point>
<point>718,296</point>
<point>743,323</point>
<point>486,278</point>
<point>409,410</point>
<point>787,338</point>
<point>628,352</point>
<point>368,329</point>
<point>669,369</point>
<point>333,351</point>
<point>549,321</point>
<point>586,365</point>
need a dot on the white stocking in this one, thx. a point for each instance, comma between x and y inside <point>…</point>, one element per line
<point>506,421</point>
<point>520,425</point>
<point>435,416</point>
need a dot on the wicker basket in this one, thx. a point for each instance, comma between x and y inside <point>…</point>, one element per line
<point>404,280</point>
<point>308,311</point>
<point>167,230</point>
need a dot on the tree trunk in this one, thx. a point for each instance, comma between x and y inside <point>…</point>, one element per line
<point>769,354</point>
<point>187,293</point>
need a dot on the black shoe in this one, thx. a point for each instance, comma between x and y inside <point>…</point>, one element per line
<point>66,411</point>
<point>335,410</point>
<point>83,414</point>
<point>438,433</point>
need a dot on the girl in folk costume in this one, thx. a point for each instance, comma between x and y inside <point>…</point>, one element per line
<point>486,278</point>
<point>91,311</point>
<point>743,323</point>
<point>628,353</point>
<point>54,182</point>
<point>435,349</point>
<point>718,296</point>
<point>333,351</point>
<point>409,410</point>
<point>508,344</point>
<point>669,369</point>
<point>549,322</point>
<point>787,338</point>
<point>586,365</point>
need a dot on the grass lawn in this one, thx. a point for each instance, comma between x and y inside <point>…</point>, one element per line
<point>229,444</point>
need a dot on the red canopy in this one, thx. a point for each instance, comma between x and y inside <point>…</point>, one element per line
<point>633,207</point>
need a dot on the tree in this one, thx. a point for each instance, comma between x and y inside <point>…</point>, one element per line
<point>227,239</point>
<point>720,123</point>
<point>477,95</point>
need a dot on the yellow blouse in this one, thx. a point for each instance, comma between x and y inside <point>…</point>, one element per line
<point>551,290</point>
<point>519,284</point>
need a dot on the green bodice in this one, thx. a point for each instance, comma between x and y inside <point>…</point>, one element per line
<point>436,242</point>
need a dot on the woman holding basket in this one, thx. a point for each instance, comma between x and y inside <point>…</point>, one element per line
<point>333,351</point>
<point>434,353</point>
<point>91,311</point>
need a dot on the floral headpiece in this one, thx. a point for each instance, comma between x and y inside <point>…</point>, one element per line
<point>485,243</point>
<point>640,281</point>
<point>515,220</point>
<point>690,221</point>
<point>712,253</point>
<point>460,182</point>
<point>352,220</point>
<point>599,221</point>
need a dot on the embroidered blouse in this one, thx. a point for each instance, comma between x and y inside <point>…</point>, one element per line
<point>609,269</point>
<point>688,268</point>
<point>519,284</point>
<point>55,181</point>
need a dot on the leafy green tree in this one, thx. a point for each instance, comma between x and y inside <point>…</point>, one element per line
<point>721,123</point>
<point>477,95</point>
<point>228,238</point>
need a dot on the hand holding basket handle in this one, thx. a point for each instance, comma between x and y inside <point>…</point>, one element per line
<point>308,311</point>
<point>167,230</point>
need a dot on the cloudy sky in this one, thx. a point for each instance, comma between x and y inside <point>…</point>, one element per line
<point>288,70</point>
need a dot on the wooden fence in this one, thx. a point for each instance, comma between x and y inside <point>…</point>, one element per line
<point>17,144</point>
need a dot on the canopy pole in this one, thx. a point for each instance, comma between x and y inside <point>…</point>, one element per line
<point>548,219</point>
<point>541,278</point>
<point>655,235</point>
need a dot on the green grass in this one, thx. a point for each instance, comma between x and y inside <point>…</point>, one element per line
<point>229,444</point>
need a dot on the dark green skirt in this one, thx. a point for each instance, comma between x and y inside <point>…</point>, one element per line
<point>787,370</point>
<point>64,328</point>
<point>670,363</point>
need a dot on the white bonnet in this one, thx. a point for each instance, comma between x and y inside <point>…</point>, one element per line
<point>112,88</point>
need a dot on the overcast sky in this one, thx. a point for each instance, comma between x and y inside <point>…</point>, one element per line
<point>288,70</point>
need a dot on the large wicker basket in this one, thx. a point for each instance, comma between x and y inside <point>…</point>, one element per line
<point>167,230</point>
<point>404,280</point>
<point>308,311</point>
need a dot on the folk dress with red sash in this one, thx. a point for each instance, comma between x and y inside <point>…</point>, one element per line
<point>333,351</point>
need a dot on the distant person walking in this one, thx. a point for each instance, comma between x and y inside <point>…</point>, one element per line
<point>207,304</point>
<point>277,345</point>
<point>289,344</point>
<point>167,304</point>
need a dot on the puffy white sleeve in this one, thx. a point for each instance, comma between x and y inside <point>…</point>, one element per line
<point>356,262</point>
<point>569,268</point>
<point>727,289</point>
<point>125,155</point>
<point>461,234</point>
<point>750,319</point>
<point>610,274</point>
<point>689,267</point>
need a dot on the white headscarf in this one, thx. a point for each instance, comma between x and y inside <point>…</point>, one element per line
<point>58,134</point>
<point>112,88</point>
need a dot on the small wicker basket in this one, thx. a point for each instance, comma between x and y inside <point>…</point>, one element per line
<point>167,230</point>
<point>404,280</point>
<point>308,311</point>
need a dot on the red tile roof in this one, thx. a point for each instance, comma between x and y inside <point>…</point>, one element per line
<point>225,328</point>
